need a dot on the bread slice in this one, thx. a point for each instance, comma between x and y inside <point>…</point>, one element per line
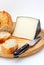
<point>6,23</point>
<point>9,46</point>
<point>4,36</point>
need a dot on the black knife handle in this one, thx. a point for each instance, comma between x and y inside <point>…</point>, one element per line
<point>21,50</point>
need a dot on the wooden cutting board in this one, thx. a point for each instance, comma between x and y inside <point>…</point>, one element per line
<point>30,51</point>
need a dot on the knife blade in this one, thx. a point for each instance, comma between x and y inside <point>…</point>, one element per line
<point>26,46</point>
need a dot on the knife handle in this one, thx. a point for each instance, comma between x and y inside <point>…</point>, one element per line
<point>21,50</point>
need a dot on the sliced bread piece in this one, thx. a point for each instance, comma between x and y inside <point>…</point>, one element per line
<point>4,36</point>
<point>9,46</point>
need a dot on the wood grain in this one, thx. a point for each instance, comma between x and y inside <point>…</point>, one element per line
<point>30,51</point>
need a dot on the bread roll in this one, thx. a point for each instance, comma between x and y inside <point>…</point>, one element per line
<point>6,22</point>
<point>9,46</point>
<point>4,36</point>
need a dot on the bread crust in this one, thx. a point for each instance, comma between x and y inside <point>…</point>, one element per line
<point>10,50</point>
<point>3,39</point>
<point>6,23</point>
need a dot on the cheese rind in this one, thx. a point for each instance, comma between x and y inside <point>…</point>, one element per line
<point>27,27</point>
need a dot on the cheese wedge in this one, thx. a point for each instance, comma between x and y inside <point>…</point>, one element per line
<point>27,27</point>
<point>9,46</point>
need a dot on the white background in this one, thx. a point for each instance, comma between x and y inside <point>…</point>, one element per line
<point>31,8</point>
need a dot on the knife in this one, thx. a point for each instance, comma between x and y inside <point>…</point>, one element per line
<point>26,46</point>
